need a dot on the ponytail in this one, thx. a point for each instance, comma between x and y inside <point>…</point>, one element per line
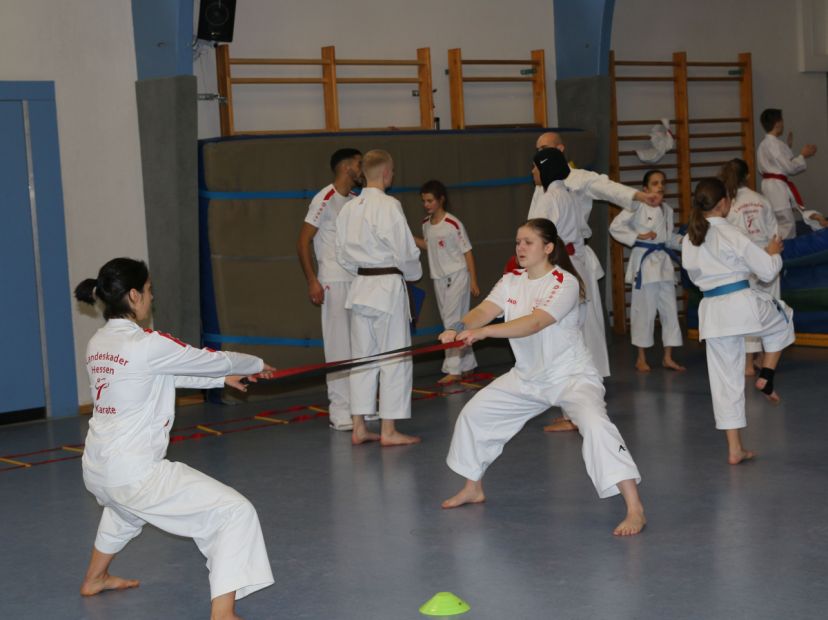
<point>559,257</point>
<point>114,282</point>
<point>733,174</point>
<point>708,193</point>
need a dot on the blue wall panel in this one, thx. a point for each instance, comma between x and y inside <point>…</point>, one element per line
<point>21,365</point>
<point>22,380</point>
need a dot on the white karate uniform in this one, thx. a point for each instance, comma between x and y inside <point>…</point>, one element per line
<point>658,289</point>
<point>559,205</point>
<point>727,256</point>
<point>133,375</point>
<point>552,368</point>
<point>751,213</point>
<point>371,231</point>
<point>774,156</point>
<point>448,243</point>
<point>336,282</point>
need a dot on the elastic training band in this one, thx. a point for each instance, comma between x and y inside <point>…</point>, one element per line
<point>362,361</point>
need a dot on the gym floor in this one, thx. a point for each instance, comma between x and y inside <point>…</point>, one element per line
<point>358,533</point>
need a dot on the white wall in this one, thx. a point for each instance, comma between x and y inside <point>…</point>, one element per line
<point>374,29</point>
<point>716,30</point>
<point>88,52</point>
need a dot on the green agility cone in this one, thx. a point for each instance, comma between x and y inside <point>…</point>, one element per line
<point>444,604</point>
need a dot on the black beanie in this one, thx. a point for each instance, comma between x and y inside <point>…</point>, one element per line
<point>552,165</point>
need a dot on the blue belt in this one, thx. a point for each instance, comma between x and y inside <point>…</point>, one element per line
<point>652,247</point>
<point>726,289</point>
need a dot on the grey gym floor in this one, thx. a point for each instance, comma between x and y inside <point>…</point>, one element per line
<point>359,533</point>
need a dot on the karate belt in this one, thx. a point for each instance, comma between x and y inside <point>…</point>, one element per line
<point>791,186</point>
<point>361,361</point>
<point>733,287</point>
<point>653,247</point>
<point>416,295</point>
<point>727,289</point>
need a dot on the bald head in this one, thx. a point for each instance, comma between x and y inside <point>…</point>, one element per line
<point>550,140</point>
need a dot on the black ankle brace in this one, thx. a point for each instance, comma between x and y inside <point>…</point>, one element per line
<point>767,375</point>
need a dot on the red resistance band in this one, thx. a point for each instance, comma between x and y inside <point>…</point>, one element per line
<point>791,186</point>
<point>362,361</point>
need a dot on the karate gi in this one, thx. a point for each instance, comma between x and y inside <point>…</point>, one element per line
<point>552,368</point>
<point>727,256</point>
<point>657,291</point>
<point>751,213</point>
<point>447,245</point>
<point>133,375</point>
<point>774,156</point>
<point>584,187</point>
<point>372,232</point>
<point>559,205</point>
<point>336,282</point>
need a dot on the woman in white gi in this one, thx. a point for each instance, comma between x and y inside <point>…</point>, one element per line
<point>751,213</point>
<point>540,306</point>
<point>649,232</point>
<point>452,269</point>
<point>720,259</point>
<point>133,375</point>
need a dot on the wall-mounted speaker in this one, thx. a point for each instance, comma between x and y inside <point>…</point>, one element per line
<point>215,20</point>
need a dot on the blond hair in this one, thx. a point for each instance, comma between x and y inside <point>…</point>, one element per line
<point>374,162</point>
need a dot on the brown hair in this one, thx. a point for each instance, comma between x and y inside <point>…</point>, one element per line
<point>436,189</point>
<point>649,174</point>
<point>734,174</point>
<point>708,193</point>
<point>769,118</point>
<point>549,234</point>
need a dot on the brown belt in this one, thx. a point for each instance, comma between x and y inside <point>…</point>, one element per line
<point>378,271</point>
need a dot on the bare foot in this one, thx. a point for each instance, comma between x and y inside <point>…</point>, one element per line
<point>749,371</point>
<point>449,379</point>
<point>642,366</point>
<point>671,364</point>
<point>471,493</point>
<point>560,425</point>
<point>360,436</point>
<point>773,397</point>
<point>398,439</point>
<point>91,587</point>
<point>744,455</point>
<point>632,524</point>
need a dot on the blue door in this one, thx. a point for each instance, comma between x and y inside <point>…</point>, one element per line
<point>37,368</point>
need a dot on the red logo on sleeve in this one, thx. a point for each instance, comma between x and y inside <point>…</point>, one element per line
<point>557,275</point>
<point>512,301</point>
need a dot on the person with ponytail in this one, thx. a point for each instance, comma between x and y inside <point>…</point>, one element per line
<point>751,213</point>
<point>649,231</point>
<point>133,374</point>
<point>720,260</point>
<point>540,307</point>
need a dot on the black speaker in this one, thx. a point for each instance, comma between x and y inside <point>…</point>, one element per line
<point>215,20</point>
